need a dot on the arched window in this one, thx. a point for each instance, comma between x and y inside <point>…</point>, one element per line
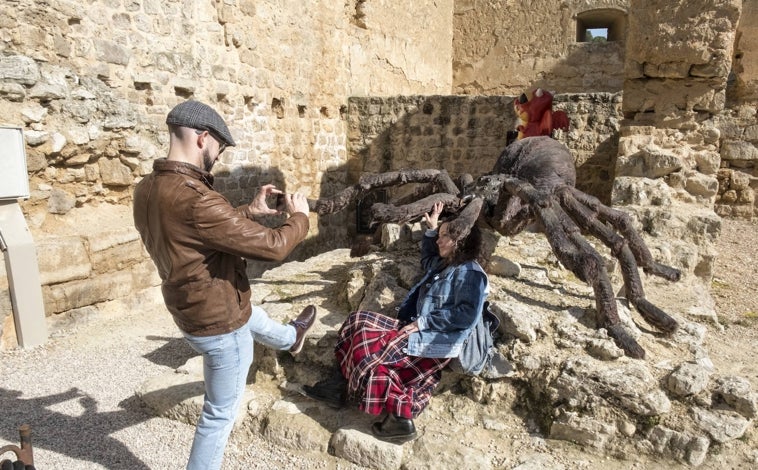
<point>591,25</point>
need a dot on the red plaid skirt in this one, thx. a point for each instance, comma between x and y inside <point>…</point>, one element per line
<point>370,351</point>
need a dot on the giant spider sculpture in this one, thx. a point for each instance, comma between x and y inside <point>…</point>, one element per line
<point>533,181</point>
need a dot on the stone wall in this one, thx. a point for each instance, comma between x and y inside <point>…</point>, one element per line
<point>671,145</point>
<point>316,95</point>
<point>744,83</point>
<point>90,83</point>
<point>466,134</point>
<point>507,47</point>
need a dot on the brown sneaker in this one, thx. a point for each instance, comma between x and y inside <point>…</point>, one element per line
<point>302,324</point>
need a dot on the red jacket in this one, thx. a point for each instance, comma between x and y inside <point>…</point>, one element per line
<point>198,242</point>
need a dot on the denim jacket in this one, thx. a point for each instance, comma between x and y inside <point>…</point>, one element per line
<point>446,303</point>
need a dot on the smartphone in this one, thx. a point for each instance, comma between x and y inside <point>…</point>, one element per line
<point>281,203</point>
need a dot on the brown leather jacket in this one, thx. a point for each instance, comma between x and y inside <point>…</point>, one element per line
<point>198,242</point>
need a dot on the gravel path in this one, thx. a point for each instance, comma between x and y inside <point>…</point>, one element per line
<point>77,391</point>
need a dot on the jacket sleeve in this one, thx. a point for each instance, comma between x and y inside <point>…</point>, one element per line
<point>462,309</point>
<point>228,229</point>
<point>430,252</point>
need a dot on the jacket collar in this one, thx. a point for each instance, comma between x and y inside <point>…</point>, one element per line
<point>183,168</point>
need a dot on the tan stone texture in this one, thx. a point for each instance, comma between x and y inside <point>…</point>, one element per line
<point>316,95</point>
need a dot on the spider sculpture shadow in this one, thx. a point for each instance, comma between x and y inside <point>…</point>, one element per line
<point>533,181</point>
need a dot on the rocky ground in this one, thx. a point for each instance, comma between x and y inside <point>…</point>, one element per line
<point>92,393</point>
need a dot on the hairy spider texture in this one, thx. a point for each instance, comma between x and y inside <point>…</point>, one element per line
<point>533,182</point>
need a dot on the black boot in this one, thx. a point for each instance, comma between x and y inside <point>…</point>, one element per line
<point>332,391</point>
<point>394,429</point>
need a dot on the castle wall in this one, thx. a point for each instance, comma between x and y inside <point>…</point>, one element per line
<point>672,141</point>
<point>738,172</point>
<point>90,83</point>
<point>508,47</point>
<point>317,93</point>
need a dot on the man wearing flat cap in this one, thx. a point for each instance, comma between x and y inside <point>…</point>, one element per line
<point>199,244</point>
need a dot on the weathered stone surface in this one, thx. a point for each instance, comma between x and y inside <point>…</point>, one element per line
<point>631,385</point>
<point>648,163</point>
<point>111,238</point>
<point>382,291</point>
<point>737,393</point>
<point>19,69</point>
<point>689,449</point>
<point>172,396</point>
<point>60,201</point>
<point>288,426</point>
<point>117,258</point>
<point>739,150</point>
<point>517,320</point>
<point>363,449</point>
<point>707,161</point>
<point>13,91</point>
<point>702,185</point>
<point>582,430</point>
<point>721,425</point>
<point>62,259</point>
<point>501,266</point>
<point>640,191</point>
<point>80,293</point>
<point>114,172</point>
<point>688,379</point>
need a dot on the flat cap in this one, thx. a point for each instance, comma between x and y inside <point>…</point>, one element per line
<point>197,115</point>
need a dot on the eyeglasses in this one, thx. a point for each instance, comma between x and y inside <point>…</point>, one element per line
<point>221,144</point>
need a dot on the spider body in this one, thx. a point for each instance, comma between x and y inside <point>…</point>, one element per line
<point>538,185</point>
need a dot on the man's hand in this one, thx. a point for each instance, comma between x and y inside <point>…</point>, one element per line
<point>258,205</point>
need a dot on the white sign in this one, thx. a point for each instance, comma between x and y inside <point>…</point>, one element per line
<point>14,180</point>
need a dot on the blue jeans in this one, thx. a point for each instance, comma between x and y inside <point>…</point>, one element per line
<point>226,362</point>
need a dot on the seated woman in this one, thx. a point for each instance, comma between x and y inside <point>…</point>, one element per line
<point>392,365</point>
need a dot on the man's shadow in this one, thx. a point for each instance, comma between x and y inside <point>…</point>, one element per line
<point>85,436</point>
<point>86,433</point>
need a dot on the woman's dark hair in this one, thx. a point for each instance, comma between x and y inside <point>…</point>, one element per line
<point>469,248</point>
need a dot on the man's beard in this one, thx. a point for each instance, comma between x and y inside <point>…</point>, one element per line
<point>208,162</point>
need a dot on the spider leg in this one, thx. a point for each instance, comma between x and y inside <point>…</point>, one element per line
<point>381,213</point>
<point>571,249</point>
<point>590,220</point>
<point>439,179</point>
<point>623,223</point>
<point>511,214</point>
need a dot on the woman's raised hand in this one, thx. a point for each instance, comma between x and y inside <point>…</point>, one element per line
<point>431,218</point>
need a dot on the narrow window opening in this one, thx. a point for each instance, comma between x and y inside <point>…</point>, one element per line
<point>596,35</point>
<point>601,25</point>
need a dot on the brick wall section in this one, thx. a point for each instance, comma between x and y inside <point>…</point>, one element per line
<point>466,134</point>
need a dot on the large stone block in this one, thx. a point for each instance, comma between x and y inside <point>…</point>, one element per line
<point>739,150</point>
<point>117,257</point>
<point>68,295</point>
<point>62,259</point>
<point>287,426</point>
<point>666,95</point>
<point>356,446</point>
<point>19,69</point>
<point>114,172</point>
